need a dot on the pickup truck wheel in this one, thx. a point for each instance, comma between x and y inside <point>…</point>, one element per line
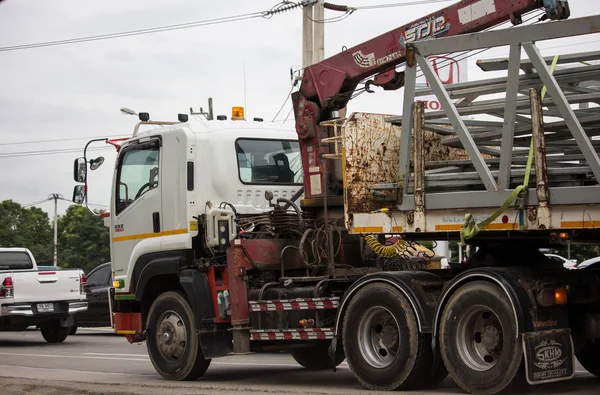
<point>589,356</point>
<point>478,339</point>
<point>54,333</point>
<point>317,357</point>
<point>383,345</point>
<point>172,340</point>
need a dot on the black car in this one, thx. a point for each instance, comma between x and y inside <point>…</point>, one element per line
<point>99,280</point>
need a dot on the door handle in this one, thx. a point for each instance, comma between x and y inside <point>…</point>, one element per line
<point>156,221</point>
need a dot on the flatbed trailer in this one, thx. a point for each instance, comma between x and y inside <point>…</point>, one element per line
<point>336,269</point>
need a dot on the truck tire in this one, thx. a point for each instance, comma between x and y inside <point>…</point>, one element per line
<point>53,332</point>
<point>172,340</point>
<point>317,357</point>
<point>382,342</point>
<point>73,330</point>
<point>478,339</point>
<point>589,358</point>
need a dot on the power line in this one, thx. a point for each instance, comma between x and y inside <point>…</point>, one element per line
<point>49,152</point>
<point>34,203</point>
<point>284,103</point>
<point>279,8</point>
<point>59,198</point>
<point>405,4</point>
<point>58,140</point>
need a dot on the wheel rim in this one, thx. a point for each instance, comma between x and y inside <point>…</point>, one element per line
<point>378,337</point>
<point>171,336</point>
<point>480,338</point>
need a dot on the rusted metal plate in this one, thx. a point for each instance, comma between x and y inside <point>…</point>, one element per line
<point>371,152</point>
<point>266,253</point>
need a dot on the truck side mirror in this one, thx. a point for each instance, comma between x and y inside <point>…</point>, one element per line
<point>79,170</point>
<point>79,194</point>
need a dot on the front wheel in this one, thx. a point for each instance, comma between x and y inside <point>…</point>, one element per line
<point>382,342</point>
<point>54,333</point>
<point>478,339</point>
<point>589,357</point>
<point>172,341</point>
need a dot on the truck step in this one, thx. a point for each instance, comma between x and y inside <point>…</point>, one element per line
<point>295,304</point>
<point>292,334</point>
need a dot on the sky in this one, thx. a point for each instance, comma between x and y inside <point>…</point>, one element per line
<point>59,97</point>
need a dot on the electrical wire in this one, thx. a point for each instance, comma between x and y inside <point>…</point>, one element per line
<point>279,8</point>
<point>58,140</point>
<point>284,103</point>
<point>35,203</point>
<point>49,152</point>
<point>288,115</point>
<point>405,4</point>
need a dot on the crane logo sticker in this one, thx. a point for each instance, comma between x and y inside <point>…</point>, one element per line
<point>369,60</point>
<point>119,228</point>
<point>364,61</point>
<point>431,27</point>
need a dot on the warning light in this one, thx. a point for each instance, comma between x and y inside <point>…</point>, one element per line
<point>552,296</point>
<point>237,113</point>
<point>564,236</point>
<point>560,295</point>
<point>505,219</point>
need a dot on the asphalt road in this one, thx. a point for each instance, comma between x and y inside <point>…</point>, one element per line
<point>98,362</point>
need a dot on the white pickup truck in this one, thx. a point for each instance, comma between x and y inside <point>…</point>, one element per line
<point>43,298</point>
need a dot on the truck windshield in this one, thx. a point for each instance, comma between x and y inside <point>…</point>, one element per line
<point>270,162</point>
<point>15,260</point>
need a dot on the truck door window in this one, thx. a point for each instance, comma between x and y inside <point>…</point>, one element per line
<point>137,174</point>
<point>12,260</point>
<point>269,162</point>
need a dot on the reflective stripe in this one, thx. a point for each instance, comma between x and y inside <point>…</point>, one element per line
<point>149,235</point>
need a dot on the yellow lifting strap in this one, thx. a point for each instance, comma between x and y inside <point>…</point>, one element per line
<point>470,228</point>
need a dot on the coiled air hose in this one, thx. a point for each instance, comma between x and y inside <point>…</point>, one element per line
<point>400,247</point>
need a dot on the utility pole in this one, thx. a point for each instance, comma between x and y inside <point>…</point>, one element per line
<point>307,35</point>
<point>319,31</point>
<point>55,196</point>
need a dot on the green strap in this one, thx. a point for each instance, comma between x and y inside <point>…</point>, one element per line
<point>470,227</point>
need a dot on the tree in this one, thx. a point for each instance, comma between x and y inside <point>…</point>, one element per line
<point>83,240</point>
<point>27,228</point>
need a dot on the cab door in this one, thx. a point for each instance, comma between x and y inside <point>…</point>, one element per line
<point>136,223</point>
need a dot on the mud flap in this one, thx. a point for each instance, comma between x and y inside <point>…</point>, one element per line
<point>549,356</point>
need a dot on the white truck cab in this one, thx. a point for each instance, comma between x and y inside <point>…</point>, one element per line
<point>166,177</point>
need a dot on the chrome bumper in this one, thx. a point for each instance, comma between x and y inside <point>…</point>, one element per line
<point>26,310</point>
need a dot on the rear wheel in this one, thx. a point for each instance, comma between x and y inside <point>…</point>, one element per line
<point>73,330</point>
<point>172,341</point>
<point>589,358</point>
<point>53,332</point>
<point>317,357</point>
<point>383,345</point>
<point>478,339</point>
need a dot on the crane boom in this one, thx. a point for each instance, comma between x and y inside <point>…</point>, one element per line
<point>331,81</point>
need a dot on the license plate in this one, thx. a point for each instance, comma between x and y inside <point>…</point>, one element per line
<point>548,356</point>
<point>45,307</point>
